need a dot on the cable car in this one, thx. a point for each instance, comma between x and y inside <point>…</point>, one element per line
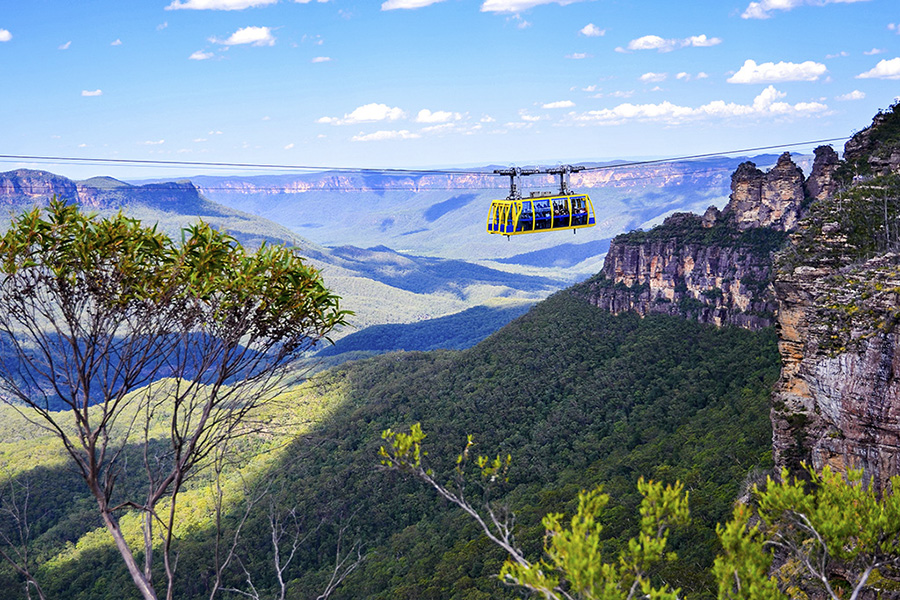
<point>540,212</point>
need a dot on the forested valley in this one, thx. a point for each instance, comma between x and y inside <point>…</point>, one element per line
<point>576,396</point>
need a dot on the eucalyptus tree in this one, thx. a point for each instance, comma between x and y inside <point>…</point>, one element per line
<point>125,344</point>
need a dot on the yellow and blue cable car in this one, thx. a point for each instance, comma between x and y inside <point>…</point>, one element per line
<point>540,212</point>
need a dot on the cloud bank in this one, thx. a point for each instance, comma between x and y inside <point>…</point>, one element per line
<point>777,72</point>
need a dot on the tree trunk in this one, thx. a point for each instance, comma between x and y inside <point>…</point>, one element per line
<point>143,583</point>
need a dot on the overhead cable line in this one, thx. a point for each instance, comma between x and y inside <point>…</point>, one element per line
<point>712,154</point>
<point>365,170</point>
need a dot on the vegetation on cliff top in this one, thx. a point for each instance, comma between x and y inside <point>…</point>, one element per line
<point>688,229</point>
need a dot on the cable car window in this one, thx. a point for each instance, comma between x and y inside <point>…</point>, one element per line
<point>560,212</point>
<point>542,214</point>
<point>526,219</point>
<point>579,210</point>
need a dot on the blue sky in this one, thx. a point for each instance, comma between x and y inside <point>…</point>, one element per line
<point>424,83</point>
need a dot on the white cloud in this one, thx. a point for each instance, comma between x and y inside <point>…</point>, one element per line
<point>701,41</point>
<point>201,55</point>
<point>366,114</point>
<point>289,146</point>
<point>616,94</point>
<point>841,54</point>
<point>118,42</point>
<point>199,140</point>
<point>5,35</point>
<point>885,69</point>
<point>321,59</point>
<point>660,44</point>
<point>874,51</point>
<point>514,6</point>
<point>438,116</point>
<point>88,93</point>
<point>776,72</point>
<point>591,30</point>
<point>217,4</point>
<point>403,134</point>
<point>766,103</point>
<point>65,46</point>
<point>487,119</point>
<point>764,8</point>
<point>689,77</point>
<point>591,88</point>
<point>256,36</point>
<point>854,95</point>
<point>153,143</point>
<point>577,56</point>
<point>395,4</point>
<point>442,128</point>
<point>162,25</point>
<point>654,77</point>
<point>559,104</point>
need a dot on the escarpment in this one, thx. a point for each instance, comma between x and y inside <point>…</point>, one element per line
<point>716,268</point>
<point>837,286</point>
<point>819,258</point>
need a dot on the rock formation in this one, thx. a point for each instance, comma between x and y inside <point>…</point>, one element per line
<point>716,268</point>
<point>822,182</point>
<point>876,149</point>
<point>684,268</point>
<point>773,199</point>
<point>837,402</point>
<point>38,187</point>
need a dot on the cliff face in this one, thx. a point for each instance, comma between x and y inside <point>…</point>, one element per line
<point>716,268</point>
<point>681,268</point>
<point>772,199</point>
<point>838,291</point>
<point>838,399</point>
<point>27,186</point>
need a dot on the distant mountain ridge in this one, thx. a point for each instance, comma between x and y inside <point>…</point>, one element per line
<point>380,285</point>
<point>444,214</point>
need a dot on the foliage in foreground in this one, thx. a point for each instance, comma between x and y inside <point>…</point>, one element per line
<point>573,566</point>
<point>121,327</point>
<point>832,536</point>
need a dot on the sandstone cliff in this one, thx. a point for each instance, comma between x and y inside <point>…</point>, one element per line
<point>838,292</point>
<point>716,268</point>
<point>26,186</point>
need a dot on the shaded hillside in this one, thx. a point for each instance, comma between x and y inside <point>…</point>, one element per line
<point>578,396</point>
<point>453,332</point>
